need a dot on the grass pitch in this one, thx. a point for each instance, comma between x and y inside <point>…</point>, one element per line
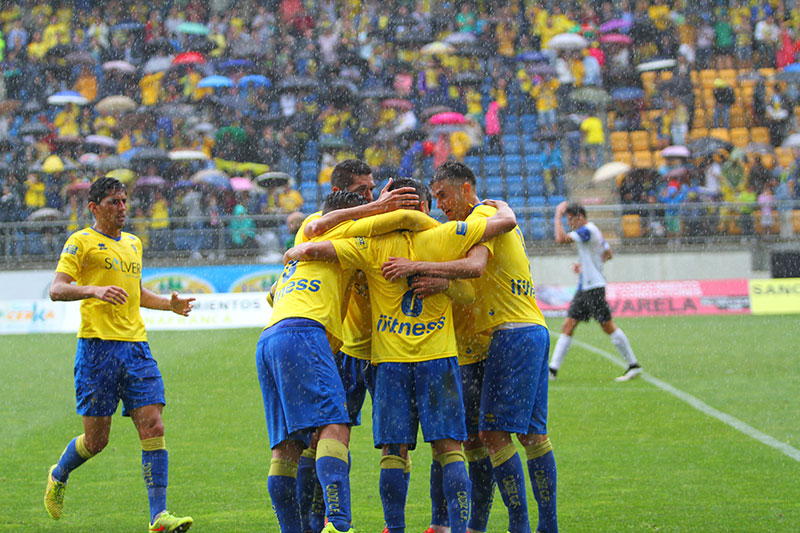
<point>630,456</point>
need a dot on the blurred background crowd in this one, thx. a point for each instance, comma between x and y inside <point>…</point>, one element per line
<point>224,117</point>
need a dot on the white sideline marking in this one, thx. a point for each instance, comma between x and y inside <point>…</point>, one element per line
<point>701,406</point>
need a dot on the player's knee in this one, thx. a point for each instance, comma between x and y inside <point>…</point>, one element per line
<point>494,440</point>
<point>150,428</point>
<point>95,443</point>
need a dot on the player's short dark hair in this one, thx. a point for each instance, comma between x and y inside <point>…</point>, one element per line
<point>574,209</point>
<point>342,175</point>
<point>454,171</point>
<point>103,187</point>
<point>341,200</point>
<point>420,189</point>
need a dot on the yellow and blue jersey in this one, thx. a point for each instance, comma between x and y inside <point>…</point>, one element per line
<point>505,292</point>
<point>407,328</point>
<point>92,258</point>
<point>473,346</point>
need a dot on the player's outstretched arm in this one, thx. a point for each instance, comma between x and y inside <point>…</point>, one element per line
<point>560,234</point>
<point>471,266</point>
<point>176,304</point>
<point>311,251</point>
<point>64,290</point>
<point>501,222</point>
<point>458,290</point>
<point>387,201</point>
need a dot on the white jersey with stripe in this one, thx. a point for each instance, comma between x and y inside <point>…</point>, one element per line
<point>591,246</point>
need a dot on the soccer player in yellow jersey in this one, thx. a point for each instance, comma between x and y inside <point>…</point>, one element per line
<point>413,344</point>
<point>301,386</point>
<point>113,359</point>
<point>516,365</point>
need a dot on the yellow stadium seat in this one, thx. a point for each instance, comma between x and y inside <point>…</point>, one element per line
<point>624,157</point>
<point>658,160</point>
<point>643,159</point>
<point>619,141</point>
<point>796,220</point>
<point>699,120</point>
<point>729,75</point>
<point>759,135</point>
<point>785,157</point>
<point>697,133</point>
<point>665,75</point>
<point>707,77</point>
<point>648,79</point>
<point>632,226</point>
<point>720,133</point>
<point>737,117</point>
<point>640,140</point>
<point>694,76</point>
<point>740,137</point>
<point>767,72</point>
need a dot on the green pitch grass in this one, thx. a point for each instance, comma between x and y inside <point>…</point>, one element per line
<point>630,456</point>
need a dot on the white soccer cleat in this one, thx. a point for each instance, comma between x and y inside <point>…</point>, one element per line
<point>632,372</point>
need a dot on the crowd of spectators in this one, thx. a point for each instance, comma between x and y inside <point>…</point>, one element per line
<point>296,86</point>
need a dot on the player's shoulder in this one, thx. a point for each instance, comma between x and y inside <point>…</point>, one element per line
<point>310,218</point>
<point>481,211</point>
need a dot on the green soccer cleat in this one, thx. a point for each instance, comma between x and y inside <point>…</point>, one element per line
<point>168,523</point>
<point>54,495</point>
<point>330,529</point>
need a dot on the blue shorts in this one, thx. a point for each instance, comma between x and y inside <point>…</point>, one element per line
<point>109,371</point>
<point>301,387</point>
<point>408,395</point>
<point>358,377</point>
<point>471,384</point>
<point>516,400</point>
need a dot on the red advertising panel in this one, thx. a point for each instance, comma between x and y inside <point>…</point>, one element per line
<point>658,298</point>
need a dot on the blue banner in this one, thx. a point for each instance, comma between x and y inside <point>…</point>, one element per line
<point>211,279</point>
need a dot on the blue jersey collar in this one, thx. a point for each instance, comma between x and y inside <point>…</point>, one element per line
<point>104,235</point>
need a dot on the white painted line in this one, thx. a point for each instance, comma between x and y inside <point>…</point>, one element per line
<point>701,406</point>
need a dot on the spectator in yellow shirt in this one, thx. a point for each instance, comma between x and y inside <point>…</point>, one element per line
<point>544,92</point>
<point>66,121</point>
<point>150,86</point>
<point>86,84</point>
<point>593,140</point>
<point>34,193</point>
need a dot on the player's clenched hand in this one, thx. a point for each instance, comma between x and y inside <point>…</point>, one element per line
<point>398,267</point>
<point>560,208</point>
<point>396,199</point>
<point>111,294</point>
<point>576,267</point>
<point>425,286</point>
<point>181,306</point>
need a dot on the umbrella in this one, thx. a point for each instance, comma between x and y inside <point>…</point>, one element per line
<point>250,48</point>
<point>79,187</point>
<point>151,181</point>
<point>89,159</point>
<point>205,127</point>
<point>182,184</point>
<point>759,148</point>
<point>467,78</point>
<point>127,26</point>
<point>148,155</point>
<point>428,112</point>
<point>273,179</point>
<point>676,151</point>
<point>793,67</point>
<point>52,164</point>
<point>333,143</point>
<point>189,58</point>
<point>474,49</point>
<point>124,175</point>
<point>438,47</point>
<point>627,93</point>
<point>241,184</point>
<point>67,139</point>
<point>34,128</point>
<point>378,93</point>
<point>615,38</point>
<point>213,177</point>
<point>80,58</point>
<point>256,80</point>
<point>615,25</point>
<point>567,41</point>
<point>192,28</point>
<point>67,97</point>
<point>187,155</point>
<point>176,110</point>
<point>341,93</point>
<point>232,101</point>
<point>706,146</point>
<point>102,140</point>
<point>157,64</point>
<point>541,70</point>
<point>46,213</point>
<point>460,37</point>
<point>115,104</point>
<point>532,56</point>
<point>31,107</point>
<point>447,118</point>
<point>199,43</point>
<point>121,66</point>
<point>398,103</point>
<point>590,96</point>
<point>610,171</point>
<point>59,51</point>
<point>658,64</point>
<point>215,82</point>
<point>298,83</point>
<point>235,63</point>
<point>112,162</point>
<point>792,141</point>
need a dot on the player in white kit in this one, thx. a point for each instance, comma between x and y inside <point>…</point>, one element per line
<point>590,299</point>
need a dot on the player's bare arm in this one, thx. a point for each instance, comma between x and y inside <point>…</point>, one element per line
<point>561,235</point>
<point>63,289</point>
<point>607,255</point>
<point>176,304</point>
<point>311,251</point>
<point>403,197</point>
<point>460,291</point>
<point>471,266</point>
<point>501,222</point>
